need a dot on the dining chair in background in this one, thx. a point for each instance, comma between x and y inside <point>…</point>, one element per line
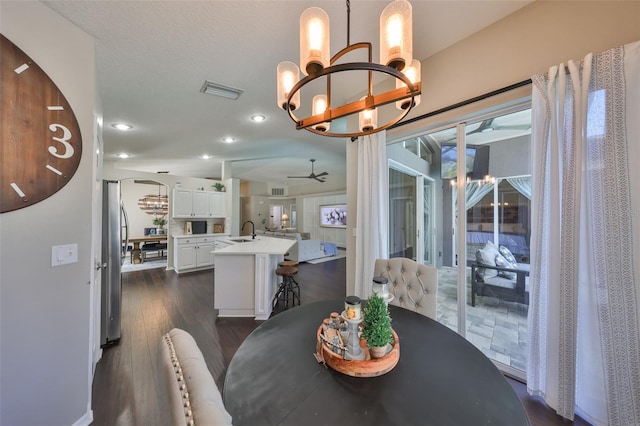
<point>414,286</point>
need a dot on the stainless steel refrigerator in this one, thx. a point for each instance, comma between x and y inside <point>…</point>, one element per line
<point>115,236</point>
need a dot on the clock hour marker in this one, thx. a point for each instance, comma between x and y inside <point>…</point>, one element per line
<point>54,170</point>
<point>17,189</point>
<point>21,68</point>
<point>55,108</point>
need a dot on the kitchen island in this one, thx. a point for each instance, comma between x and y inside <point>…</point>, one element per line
<point>244,276</point>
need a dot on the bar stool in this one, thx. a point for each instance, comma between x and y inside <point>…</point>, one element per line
<point>288,288</point>
<point>289,264</point>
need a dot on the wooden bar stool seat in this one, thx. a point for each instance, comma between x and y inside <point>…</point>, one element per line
<point>288,288</point>
<point>288,263</point>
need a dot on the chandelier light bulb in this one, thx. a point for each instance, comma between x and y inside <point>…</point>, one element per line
<point>315,36</point>
<point>394,33</point>
<point>319,106</point>
<point>396,29</point>
<point>287,75</point>
<point>414,74</point>
<point>314,41</point>
<point>368,119</point>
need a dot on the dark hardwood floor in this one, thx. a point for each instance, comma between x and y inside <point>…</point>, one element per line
<point>128,387</point>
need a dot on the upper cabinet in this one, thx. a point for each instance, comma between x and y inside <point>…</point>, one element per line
<point>194,203</point>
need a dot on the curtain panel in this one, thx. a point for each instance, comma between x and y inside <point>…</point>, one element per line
<point>584,317</point>
<point>372,227</point>
<point>521,184</point>
<point>474,193</point>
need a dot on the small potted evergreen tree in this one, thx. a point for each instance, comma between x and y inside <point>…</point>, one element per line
<point>376,326</point>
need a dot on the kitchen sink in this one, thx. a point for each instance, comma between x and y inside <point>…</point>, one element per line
<point>242,240</point>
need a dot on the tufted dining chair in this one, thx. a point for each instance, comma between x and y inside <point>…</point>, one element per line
<point>414,286</point>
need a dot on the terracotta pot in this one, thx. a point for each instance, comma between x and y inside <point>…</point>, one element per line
<point>378,351</point>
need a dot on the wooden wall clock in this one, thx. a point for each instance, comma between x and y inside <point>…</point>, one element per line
<point>40,145</point>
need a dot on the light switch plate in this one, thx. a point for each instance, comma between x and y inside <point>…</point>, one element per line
<point>64,254</point>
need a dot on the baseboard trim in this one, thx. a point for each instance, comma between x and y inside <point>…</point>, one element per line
<point>85,420</point>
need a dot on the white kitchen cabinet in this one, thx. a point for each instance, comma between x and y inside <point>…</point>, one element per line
<point>198,204</point>
<point>182,202</point>
<point>202,203</point>
<point>217,204</point>
<point>193,253</point>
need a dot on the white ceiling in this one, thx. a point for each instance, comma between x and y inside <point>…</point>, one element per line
<point>153,57</point>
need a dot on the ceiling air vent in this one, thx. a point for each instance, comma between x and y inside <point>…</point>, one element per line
<point>277,191</point>
<point>216,89</point>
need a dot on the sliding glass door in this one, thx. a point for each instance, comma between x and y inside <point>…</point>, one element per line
<point>472,193</point>
<point>410,214</point>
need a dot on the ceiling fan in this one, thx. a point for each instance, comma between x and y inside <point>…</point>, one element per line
<point>312,175</point>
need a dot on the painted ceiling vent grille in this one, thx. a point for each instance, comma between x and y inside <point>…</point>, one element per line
<point>211,88</point>
<point>277,191</point>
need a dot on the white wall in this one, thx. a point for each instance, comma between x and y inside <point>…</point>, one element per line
<point>311,212</point>
<point>45,312</point>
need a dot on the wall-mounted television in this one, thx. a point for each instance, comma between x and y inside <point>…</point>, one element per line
<point>477,161</point>
<point>333,216</point>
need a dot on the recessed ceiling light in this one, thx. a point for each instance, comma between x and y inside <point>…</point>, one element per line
<point>205,156</point>
<point>122,126</point>
<point>228,139</point>
<point>124,155</point>
<point>258,118</point>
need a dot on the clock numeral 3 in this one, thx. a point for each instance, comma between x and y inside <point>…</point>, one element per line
<point>64,140</point>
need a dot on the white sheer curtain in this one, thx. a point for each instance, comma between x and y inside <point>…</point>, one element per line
<point>584,318</point>
<point>522,184</point>
<point>372,218</point>
<point>474,193</point>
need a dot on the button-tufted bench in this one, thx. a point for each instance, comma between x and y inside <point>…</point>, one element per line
<point>193,394</point>
<point>414,286</point>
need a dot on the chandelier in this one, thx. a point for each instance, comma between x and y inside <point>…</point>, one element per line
<point>396,51</point>
<point>156,205</point>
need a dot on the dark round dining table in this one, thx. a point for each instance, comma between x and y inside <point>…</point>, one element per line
<point>440,379</point>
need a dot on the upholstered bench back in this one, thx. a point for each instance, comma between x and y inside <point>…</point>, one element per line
<point>194,396</point>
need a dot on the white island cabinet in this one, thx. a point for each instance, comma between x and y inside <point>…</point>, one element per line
<point>194,252</point>
<point>244,277</point>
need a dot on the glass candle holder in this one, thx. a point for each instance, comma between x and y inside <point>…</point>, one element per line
<point>352,308</point>
<point>381,286</point>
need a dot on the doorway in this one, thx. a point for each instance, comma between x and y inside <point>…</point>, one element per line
<point>147,207</point>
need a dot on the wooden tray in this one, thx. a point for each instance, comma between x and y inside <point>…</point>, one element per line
<point>369,367</point>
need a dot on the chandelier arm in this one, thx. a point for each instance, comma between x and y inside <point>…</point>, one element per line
<point>357,106</point>
<point>350,48</point>
<point>355,135</point>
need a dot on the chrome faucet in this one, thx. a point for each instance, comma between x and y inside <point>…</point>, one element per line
<point>253,229</point>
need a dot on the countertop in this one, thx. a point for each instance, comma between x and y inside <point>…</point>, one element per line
<point>261,245</point>
<point>200,235</point>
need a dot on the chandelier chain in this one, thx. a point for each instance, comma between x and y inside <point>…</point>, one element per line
<point>348,22</point>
